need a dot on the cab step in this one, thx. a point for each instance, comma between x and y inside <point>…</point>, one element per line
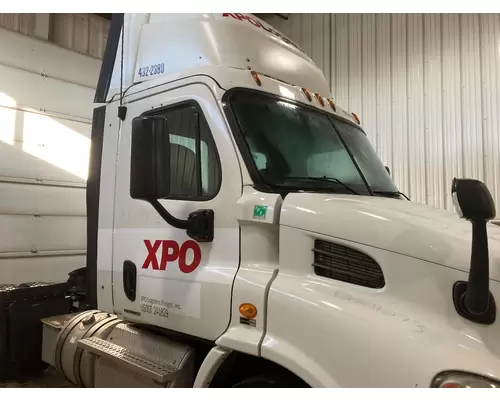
<point>126,358</point>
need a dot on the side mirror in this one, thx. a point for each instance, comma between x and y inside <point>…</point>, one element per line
<point>473,299</point>
<point>150,158</point>
<point>150,176</point>
<point>472,200</point>
<point>388,170</point>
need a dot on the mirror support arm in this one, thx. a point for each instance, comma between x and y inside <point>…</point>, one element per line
<point>473,299</point>
<point>169,218</point>
<point>476,297</point>
<point>199,226</point>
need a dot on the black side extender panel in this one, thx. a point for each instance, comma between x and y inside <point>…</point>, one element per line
<point>93,184</point>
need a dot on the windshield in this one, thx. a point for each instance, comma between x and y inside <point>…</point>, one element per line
<point>298,148</point>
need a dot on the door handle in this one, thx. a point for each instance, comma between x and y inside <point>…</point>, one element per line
<point>129,279</point>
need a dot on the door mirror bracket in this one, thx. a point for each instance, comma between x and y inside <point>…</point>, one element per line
<point>199,226</point>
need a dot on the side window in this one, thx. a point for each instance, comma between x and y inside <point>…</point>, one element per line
<point>194,162</point>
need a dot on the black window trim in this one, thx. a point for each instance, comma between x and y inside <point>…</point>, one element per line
<point>201,118</point>
<point>259,184</point>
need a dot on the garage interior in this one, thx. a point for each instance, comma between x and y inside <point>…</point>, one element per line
<point>425,86</point>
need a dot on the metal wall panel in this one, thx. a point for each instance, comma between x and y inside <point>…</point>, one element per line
<point>47,59</point>
<point>46,102</point>
<point>46,94</point>
<point>368,110</point>
<point>23,23</point>
<point>426,87</point>
<point>19,199</point>
<point>85,33</point>
<point>21,234</point>
<point>39,268</point>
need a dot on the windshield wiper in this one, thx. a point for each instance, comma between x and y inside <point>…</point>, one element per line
<point>323,179</point>
<point>382,192</point>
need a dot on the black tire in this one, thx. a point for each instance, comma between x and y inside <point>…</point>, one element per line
<point>269,381</point>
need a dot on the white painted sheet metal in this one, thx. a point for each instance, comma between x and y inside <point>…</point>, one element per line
<point>39,268</point>
<point>22,199</point>
<point>46,96</point>
<point>426,87</point>
<point>42,233</point>
<point>42,57</point>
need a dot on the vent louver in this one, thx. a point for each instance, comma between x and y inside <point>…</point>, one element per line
<point>344,264</point>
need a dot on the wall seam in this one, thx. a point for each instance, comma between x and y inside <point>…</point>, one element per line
<point>410,189</point>
<point>460,66</point>
<point>424,109</point>
<point>377,106</point>
<point>391,90</point>
<point>443,141</point>
<point>482,94</point>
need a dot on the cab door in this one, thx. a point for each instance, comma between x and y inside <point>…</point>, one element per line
<point>160,275</point>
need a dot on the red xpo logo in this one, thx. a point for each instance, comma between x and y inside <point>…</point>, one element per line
<point>258,24</point>
<point>170,252</point>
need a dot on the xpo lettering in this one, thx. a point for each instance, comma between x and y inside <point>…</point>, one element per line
<point>258,24</point>
<point>161,252</point>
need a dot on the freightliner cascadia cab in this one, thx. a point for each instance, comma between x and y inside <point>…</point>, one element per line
<point>244,233</point>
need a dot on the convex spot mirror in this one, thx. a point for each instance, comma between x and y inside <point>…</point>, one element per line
<point>150,158</point>
<point>472,200</point>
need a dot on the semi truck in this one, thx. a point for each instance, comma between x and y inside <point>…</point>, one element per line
<point>242,232</point>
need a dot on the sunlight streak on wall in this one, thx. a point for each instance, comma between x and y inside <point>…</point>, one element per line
<point>57,144</point>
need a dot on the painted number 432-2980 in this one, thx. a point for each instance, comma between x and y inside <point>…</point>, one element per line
<point>150,70</point>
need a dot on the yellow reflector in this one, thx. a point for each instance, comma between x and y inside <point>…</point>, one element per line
<point>256,78</point>
<point>307,94</point>
<point>248,310</point>
<point>332,104</point>
<point>356,118</point>
<point>320,99</point>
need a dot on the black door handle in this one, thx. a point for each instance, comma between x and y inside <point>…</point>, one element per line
<point>129,279</point>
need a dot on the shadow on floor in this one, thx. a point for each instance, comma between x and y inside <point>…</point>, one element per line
<point>48,379</point>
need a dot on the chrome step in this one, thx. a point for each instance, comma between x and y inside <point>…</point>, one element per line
<point>119,354</point>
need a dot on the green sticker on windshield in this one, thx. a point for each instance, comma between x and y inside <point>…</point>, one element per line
<point>259,212</point>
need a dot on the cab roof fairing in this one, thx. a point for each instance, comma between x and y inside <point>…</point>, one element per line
<point>156,45</point>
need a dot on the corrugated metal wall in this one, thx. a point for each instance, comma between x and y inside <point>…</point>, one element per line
<point>46,103</point>
<point>426,86</point>
<point>23,23</point>
<point>84,33</point>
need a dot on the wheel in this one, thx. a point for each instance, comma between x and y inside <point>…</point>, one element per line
<point>269,381</point>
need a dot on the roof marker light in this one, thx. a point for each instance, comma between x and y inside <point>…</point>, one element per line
<point>307,94</point>
<point>320,99</point>
<point>332,105</point>
<point>256,78</point>
<point>356,118</point>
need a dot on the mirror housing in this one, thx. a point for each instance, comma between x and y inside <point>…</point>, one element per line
<point>472,200</point>
<point>150,176</point>
<point>150,158</point>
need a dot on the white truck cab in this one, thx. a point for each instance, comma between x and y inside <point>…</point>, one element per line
<point>244,233</point>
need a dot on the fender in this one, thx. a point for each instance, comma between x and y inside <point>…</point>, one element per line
<point>211,364</point>
<point>280,352</point>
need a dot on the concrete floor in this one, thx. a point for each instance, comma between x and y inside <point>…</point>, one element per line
<point>48,379</point>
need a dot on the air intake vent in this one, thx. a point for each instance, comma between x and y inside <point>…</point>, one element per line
<point>347,265</point>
